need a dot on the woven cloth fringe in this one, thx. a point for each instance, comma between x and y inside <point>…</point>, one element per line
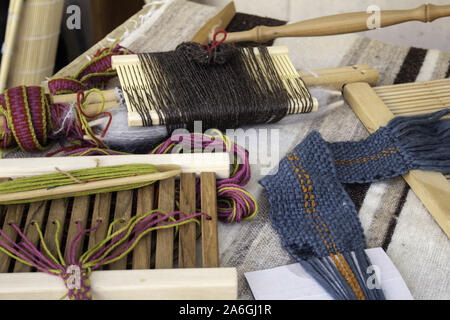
<point>316,219</point>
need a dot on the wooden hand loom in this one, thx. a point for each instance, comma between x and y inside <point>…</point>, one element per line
<point>133,82</point>
<point>377,106</point>
<point>129,278</point>
<point>334,78</point>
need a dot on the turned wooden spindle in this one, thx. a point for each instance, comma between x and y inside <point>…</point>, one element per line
<point>340,24</point>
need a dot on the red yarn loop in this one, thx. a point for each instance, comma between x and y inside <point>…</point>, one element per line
<point>215,44</point>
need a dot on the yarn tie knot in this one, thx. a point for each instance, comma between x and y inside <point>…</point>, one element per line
<point>216,52</point>
<point>77,282</point>
<point>214,45</point>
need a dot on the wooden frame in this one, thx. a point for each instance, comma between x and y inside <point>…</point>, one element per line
<point>162,281</point>
<point>334,78</point>
<point>218,162</point>
<point>175,284</point>
<point>132,76</point>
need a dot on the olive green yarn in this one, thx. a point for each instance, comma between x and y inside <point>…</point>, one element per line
<point>55,180</point>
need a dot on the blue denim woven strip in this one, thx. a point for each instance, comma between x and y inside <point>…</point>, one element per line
<point>314,216</point>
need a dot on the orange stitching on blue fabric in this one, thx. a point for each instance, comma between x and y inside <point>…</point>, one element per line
<point>310,207</point>
<point>383,153</point>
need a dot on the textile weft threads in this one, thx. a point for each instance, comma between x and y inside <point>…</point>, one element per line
<point>224,86</point>
<point>317,221</point>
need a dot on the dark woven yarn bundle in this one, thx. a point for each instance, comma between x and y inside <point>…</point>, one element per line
<point>314,216</point>
<point>222,85</point>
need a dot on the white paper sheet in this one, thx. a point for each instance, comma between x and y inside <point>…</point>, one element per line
<point>292,282</point>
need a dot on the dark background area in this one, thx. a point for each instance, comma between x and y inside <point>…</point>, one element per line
<point>3,16</point>
<point>98,18</point>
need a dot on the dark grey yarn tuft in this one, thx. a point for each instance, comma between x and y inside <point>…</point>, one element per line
<point>230,89</point>
<point>198,53</point>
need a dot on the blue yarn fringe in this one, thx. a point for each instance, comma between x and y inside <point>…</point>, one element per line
<point>325,272</point>
<point>424,140</point>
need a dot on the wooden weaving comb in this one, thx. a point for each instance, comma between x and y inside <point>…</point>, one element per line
<point>377,106</point>
<point>133,277</point>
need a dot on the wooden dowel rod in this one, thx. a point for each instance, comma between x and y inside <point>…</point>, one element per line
<point>438,106</point>
<point>417,102</point>
<point>419,105</point>
<point>340,69</point>
<point>80,212</point>
<point>305,74</point>
<point>398,87</point>
<point>417,98</point>
<point>142,251</point>
<point>339,24</point>
<point>165,237</point>
<point>109,95</point>
<point>218,162</point>
<point>415,113</point>
<point>419,94</point>
<point>418,86</point>
<point>428,109</point>
<point>94,101</point>
<point>338,79</point>
<point>14,215</point>
<point>187,252</point>
<point>210,241</point>
<point>36,214</point>
<point>58,211</point>
<point>10,40</point>
<point>101,213</point>
<point>85,187</point>
<point>94,108</point>
<point>122,211</point>
<point>169,284</point>
<point>393,94</point>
